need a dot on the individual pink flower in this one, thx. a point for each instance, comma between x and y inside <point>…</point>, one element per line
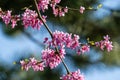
<point>65,9</point>
<point>55,11</point>
<point>73,76</point>
<point>51,58</point>
<point>45,40</point>
<point>106,37</point>
<point>85,48</point>
<point>61,13</point>
<point>14,20</point>
<point>82,9</point>
<point>108,45</point>
<point>75,42</point>
<point>24,65</point>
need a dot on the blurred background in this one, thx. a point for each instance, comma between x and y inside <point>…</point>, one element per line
<point>19,43</point>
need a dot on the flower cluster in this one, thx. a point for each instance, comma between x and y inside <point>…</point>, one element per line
<point>43,4</point>
<point>32,63</point>
<point>61,39</point>
<point>30,18</point>
<point>105,43</point>
<point>51,58</point>
<point>8,18</point>
<point>57,10</point>
<point>73,76</point>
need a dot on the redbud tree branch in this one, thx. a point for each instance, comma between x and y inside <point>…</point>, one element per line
<point>50,32</point>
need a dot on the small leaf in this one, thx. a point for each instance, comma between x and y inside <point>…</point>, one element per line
<point>99,6</point>
<point>90,8</point>
<point>14,62</point>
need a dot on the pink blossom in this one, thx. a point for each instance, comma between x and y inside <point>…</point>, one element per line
<point>108,45</point>
<point>30,18</point>
<point>55,11</point>
<point>51,58</point>
<point>54,2</point>
<point>75,42</point>
<point>43,4</point>
<point>45,40</point>
<point>82,9</point>
<point>6,17</point>
<point>37,66</point>
<point>61,38</point>
<point>59,11</point>
<point>14,20</point>
<point>32,63</point>
<point>73,76</point>
<point>105,44</point>
<point>85,48</point>
<point>106,37</point>
<point>24,65</point>
<point>66,9</point>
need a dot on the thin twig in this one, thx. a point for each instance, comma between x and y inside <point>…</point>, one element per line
<point>40,17</point>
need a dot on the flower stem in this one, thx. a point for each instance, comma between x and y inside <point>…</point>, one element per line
<point>65,65</point>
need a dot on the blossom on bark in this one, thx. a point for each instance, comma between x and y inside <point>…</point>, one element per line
<point>30,18</point>
<point>51,58</point>
<point>66,39</point>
